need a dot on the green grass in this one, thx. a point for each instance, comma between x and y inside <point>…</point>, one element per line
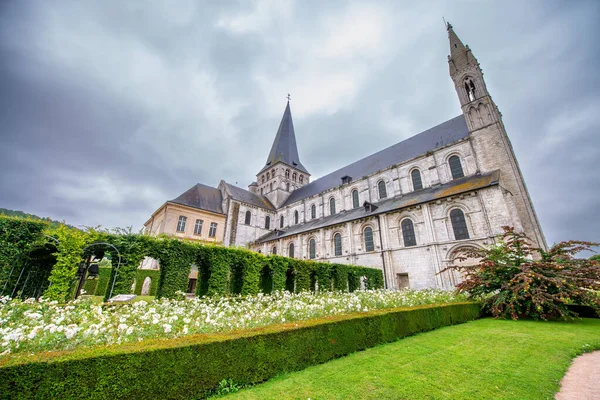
<point>483,359</point>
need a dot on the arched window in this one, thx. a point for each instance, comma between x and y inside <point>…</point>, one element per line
<point>294,177</point>
<point>408,233</point>
<point>271,188</point>
<point>301,178</point>
<point>415,175</point>
<point>369,245</point>
<point>312,249</point>
<point>382,190</point>
<point>263,179</point>
<point>291,250</point>
<point>332,206</point>
<point>287,173</point>
<point>267,222</point>
<point>296,217</point>
<point>459,225</point>
<point>247,219</point>
<point>355,203</point>
<point>274,250</point>
<point>470,88</point>
<point>261,191</point>
<point>455,167</point>
<point>313,211</point>
<point>281,221</point>
<point>268,175</point>
<point>337,244</point>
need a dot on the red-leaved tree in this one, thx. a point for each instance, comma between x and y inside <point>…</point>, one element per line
<point>514,278</point>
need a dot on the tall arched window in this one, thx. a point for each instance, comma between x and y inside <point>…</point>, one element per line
<point>301,178</point>
<point>247,219</point>
<point>382,190</point>
<point>355,203</point>
<point>294,177</point>
<point>291,250</point>
<point>415,175</point>
<point>263,179</point>
<point>312,249</point>
<point>337,244</point>
<point>296,217</point>
<point>470,88</point>
<point>267,222</point>
<point>459,225</point>
<point>369,245</point>
<point>281,221</point>
<point>313,211</point>
<point>408,233</point>
<point>274,250</point>
<point>331,206</point>
<point>287,173</point>
<point>271,187</point>
<point>455,167</point>
<point>268,175</point>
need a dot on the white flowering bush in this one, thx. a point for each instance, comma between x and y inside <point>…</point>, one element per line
<point>42,325</point>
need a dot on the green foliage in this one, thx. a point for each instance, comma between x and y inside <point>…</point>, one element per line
<point>194,366</point>
<point>24,215</point>
<point>512,283</point>
<point>595,257</point>
<point>68,256</point>
<point>141,275</point>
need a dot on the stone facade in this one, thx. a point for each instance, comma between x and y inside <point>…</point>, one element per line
<point>410,210</point>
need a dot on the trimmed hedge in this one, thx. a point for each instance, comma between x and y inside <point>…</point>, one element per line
<point>97,287</point>
<point>141,275</point>
<point>221,270</point>
<point>191,366</point>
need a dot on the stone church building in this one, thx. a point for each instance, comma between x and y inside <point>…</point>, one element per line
<point>410,209</point>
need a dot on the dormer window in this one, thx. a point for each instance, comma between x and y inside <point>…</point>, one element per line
<point>369,207</point>
<point>346,179</point>
<point>470,89</point>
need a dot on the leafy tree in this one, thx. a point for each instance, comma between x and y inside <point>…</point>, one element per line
<point>595,257</point>
<point>515,279</point>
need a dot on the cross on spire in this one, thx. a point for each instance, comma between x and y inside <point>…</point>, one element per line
<point>289,97</point>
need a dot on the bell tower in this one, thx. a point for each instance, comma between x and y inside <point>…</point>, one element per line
<point>491,145</point>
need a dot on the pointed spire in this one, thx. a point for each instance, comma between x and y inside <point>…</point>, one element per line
<point>460,55</point>
<point>284,147</point>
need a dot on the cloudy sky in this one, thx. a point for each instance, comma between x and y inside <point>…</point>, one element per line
<point>109,108</point>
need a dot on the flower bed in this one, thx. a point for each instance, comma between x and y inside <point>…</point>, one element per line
<point>35,326</point>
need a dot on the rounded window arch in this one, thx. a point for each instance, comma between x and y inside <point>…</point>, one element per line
<point>313,211</point>
<point>337,244</point>
<point>301,178</point>
<point>281,221</point>
<point>291,250</point>
<point>271,186</point>
<point>332,206</point>
<point>294,177</point>
<point>382,189</point>
<point>459,224</point>
<point>408,232</point>
<point>456,168</point>
<point>470,88</point>
<point>368,236</point>
<point>287,173</point>
<point>355,202</point>
<point>267,222</point>
<point>312,249</point>
<point>248,217</point>
<point>296,217</point>
<point>415,177</point>
<point>263,179</point>
<point>274,250</point>
<point>268,175</point>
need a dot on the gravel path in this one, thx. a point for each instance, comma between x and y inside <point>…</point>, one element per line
<point>582,381</point>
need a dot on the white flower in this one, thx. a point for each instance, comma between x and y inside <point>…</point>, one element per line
<point>167,328</point>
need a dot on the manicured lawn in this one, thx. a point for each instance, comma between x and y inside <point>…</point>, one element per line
<point>484,359</point>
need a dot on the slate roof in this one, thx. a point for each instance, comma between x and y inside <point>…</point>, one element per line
<point>247,197</point>
<point>439,136</point>
<point>202,197</point>
<point>452,188</point>
<point>284,147</point>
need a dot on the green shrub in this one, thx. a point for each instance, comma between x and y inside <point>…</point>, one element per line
<point>193,366</point>
<point>141,275</point>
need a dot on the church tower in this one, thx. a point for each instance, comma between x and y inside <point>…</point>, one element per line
<point>283,172</point>
<point>491,144</point>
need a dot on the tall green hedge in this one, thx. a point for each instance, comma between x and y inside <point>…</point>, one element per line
<point>221,270</point>
<point>98,286</point>
<point>141,275</point>
<point>189,367</point>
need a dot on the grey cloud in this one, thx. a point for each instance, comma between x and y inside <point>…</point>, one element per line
<point>138,102</point>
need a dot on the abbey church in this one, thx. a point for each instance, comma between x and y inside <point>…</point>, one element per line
<point>410,209</point>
